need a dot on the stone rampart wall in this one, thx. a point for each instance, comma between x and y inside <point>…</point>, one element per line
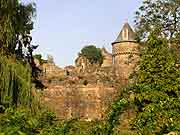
<point>84,102</point>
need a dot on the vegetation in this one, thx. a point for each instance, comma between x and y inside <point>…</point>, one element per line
<point>15,26</point>
<point>92,53</point>
<point>155,90</point>
<point>161,15</point>
<point>156,86</point>
<point>15,82</point>
<point>20,112</point>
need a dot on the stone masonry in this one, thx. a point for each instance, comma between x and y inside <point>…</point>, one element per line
<point>86,91</point>
<point>125,53</point>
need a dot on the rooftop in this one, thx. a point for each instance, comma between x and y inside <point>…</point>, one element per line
<point>126,34</point>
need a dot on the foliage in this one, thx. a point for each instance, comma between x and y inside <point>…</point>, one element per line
<point>16,23</point>
<point>99,129</point>
<point>15,82</point>
<point>157,91</point>
<point>108,127</point>
<point>161,15</point>
<point>23,122</point>
<point>15,26</point>
<point>117,109</point>
<point>92,53</point>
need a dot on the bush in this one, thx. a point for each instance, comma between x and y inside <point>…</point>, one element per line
<point>23,122</point>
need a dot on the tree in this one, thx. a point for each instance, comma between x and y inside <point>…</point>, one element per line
<point>15,27</point>
<point>157,90</point>
<point>92,53</point>
<point>16,23</point>
<point>161,15</point>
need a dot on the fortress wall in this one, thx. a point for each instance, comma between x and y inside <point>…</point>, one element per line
<point>84,102</point>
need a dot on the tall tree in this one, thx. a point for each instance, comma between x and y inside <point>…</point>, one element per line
<point>15,27</point>
<point>157,91</point>
<point>160,15</point>
<point>16,23</point>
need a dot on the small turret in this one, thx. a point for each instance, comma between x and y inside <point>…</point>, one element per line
<point>125,53</point>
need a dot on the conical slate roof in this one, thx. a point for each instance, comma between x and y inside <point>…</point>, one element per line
<point>126,34</point>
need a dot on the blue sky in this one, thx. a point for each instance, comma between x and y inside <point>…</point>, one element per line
<point>63,27</point>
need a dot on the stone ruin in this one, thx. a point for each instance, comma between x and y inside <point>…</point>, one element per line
<point>86,90</point>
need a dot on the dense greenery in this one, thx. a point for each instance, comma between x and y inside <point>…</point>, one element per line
<point>18,100</point>
<point>16,65</point>
<point>155,94</point>
<point>157,90</point>
<point>22,122</point>
<point>15,82</point>
<point>161,15</point>
<point>16,23</point>
<point>15,27</point>
<point>92,53</point>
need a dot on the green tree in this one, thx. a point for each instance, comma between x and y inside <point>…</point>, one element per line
<point>15,27</point>
<point>161,15</point>
<point>92,53</point>
<point>16,23</point>
<point>157,90</point>
<point>15,83</point>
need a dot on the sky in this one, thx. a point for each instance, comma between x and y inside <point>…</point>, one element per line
<point>63,27</point>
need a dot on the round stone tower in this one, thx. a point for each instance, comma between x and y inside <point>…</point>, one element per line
<point>125,53</point>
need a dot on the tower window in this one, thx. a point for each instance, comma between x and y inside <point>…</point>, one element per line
<point>125,34</point>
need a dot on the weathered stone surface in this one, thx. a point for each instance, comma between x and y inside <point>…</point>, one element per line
<point>84,66</point>
<point>125,54</point>
<point>84,102</point>
<point>51,70</point>
<point>107,58</point>
<point>86,90</point>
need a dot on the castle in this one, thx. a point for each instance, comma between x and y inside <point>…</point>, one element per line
<point>125,54</point>
<point>84,91</point>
